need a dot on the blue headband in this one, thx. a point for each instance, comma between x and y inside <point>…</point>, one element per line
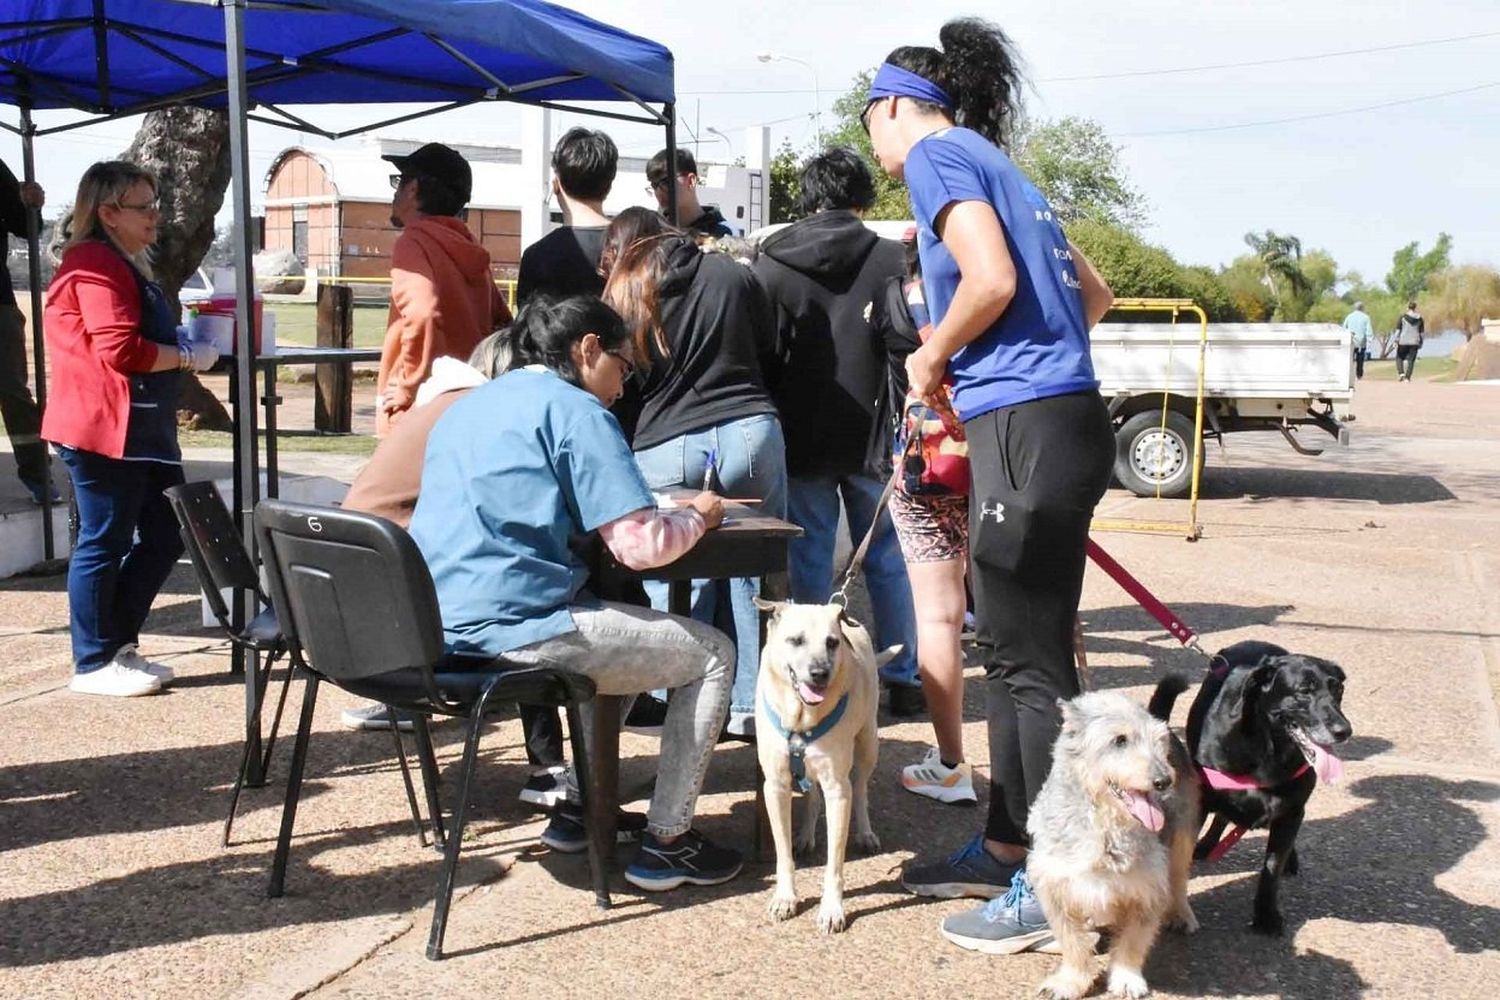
<point>893,81</point>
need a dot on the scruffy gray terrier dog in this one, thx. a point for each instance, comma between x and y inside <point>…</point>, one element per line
<point>1112,840</point>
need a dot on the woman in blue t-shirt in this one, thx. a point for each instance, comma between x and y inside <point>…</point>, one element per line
<point>1012,302</point>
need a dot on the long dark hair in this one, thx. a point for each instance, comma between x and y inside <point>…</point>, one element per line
<point>979,68</point>
<point>546,329</point>
<point>633,264</point>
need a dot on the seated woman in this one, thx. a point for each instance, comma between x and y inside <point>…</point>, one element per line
<point>514,473</point>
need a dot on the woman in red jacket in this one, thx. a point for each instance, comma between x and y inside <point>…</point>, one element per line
<point>116,363</point>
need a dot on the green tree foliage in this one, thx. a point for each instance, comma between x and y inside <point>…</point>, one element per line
<point>1244,281</point>
<point>1073,163</point>
<point>785,190</point>
<point>1458,298</point>
<point>1411,269</point>
<point>1134,268</point>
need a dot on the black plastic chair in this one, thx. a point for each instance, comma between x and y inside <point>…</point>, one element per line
<point>359,609</point>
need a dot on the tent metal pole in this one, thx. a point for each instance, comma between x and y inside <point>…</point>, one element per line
<point>669,113</point>
<point>247,458</point>
<point>38,345</point>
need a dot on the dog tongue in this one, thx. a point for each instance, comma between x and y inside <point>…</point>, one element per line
<point>1146,812</point>
<point>809,695</point>
<point>1328,767</point>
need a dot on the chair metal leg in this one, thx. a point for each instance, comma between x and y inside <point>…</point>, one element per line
<point>427,759</point>
<point>411,794</point>
<point>449,872</point>
<point>293,788</point>
<point>603,802</point>
<point>239,778</point>
<point>286,683</point>
<point>592,787</point>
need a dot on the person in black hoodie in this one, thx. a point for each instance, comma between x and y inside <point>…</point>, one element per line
<point>702,325</point>
<point>693,217</point>
<point>823,274</point>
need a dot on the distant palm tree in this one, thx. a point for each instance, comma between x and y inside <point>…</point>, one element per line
<point>1280,257</point>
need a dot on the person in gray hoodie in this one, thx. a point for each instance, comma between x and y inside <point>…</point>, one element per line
<point>1411,330</point>
<point>823,273</point>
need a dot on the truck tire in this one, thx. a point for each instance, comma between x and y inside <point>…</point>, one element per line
<point>1152,460</point>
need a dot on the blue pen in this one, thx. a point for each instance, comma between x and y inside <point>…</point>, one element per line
<point>711,471</point>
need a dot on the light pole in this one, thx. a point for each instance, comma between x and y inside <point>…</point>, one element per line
<point>715,132</point>
<point>766,57</point>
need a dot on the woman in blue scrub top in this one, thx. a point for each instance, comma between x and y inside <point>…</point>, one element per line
<point>1012,302</point>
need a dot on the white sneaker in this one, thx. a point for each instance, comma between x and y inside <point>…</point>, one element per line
<point>116,680</point>
<point>551,787</point>
<point>131,657</point>
<point>932,779</point>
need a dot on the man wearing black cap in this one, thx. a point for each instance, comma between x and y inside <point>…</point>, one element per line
<point>443,296</point>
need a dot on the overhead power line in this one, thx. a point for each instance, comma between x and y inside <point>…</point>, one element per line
<point>1126,74</point>
<point>1307,117</point>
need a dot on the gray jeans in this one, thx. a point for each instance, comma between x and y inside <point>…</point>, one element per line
<point>628,650</point>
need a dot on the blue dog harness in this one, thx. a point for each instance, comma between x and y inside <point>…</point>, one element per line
<point>797,741</point>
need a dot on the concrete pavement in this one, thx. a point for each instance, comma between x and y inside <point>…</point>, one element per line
<point>1383,557</point>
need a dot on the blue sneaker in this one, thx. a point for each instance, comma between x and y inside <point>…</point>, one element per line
<point>970,871</point>
<point>1007,925</point>
<point>565,831</point>
<point>691,859</point>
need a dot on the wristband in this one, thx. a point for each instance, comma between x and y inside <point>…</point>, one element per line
<point>184,359</point>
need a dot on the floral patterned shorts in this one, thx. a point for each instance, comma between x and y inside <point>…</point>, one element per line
<point>931,528</point>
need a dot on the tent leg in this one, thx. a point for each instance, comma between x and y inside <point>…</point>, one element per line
<point>38,344</point>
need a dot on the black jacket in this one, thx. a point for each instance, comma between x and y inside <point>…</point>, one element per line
<point>710,223</point>
<point>13,213</point>
<point>718,325</point>
<point>823,275</point>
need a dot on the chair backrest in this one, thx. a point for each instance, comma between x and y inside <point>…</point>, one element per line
<point>352,590</point>
<point>213,544</point>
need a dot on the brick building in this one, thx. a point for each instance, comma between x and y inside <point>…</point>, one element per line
<point>331,207</point>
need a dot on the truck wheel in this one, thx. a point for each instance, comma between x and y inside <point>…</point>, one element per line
<point>1152,460</point>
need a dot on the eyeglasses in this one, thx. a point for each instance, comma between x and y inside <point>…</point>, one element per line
<point>864,116</point>
<point>661,185</point>
<point>145,207</point>
<point>397,180</point>
<point>625,363</point>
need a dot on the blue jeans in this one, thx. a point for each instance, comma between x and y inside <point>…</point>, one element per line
<point>751,463</point>
<point>813,505</point>
<point>127,545</point>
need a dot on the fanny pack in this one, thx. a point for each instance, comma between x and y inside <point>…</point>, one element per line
<point>932,451</point>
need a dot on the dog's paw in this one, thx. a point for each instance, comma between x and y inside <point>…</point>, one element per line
<point>782,907</point>
<point>1269,923</point>
<point>866,842</point>
<point>806,845</point>
<point>1292,867</point>
<point>1127,983</point>
<point>1064,985</point>
<point>831,916</point>
<point>1184,921</point>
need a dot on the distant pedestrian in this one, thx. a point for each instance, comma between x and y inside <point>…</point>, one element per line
<point>1358,325</point>
<point>1410,332</point>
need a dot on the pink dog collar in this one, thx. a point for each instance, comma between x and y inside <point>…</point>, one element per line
<point>1234,783</point>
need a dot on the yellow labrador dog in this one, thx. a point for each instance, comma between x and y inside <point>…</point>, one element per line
<point>815,728</point>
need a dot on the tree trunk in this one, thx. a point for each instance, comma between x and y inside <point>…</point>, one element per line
<point>188,151</point>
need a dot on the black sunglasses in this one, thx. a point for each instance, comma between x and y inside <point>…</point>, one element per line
<point>864,116</point>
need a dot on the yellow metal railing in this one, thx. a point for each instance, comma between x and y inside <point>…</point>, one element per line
<point>1176,307</point>
<point>507,285</point>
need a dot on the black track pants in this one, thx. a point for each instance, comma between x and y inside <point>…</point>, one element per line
<point>1039,468</point>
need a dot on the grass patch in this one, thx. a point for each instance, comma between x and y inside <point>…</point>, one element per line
<point>1427,370</point>
<point>297,323</point>
<point>328,444</point>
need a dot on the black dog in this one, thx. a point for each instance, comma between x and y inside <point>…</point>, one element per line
<point>1259,733</point>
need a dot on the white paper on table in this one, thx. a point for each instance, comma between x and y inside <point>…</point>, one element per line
<point>664,501</point>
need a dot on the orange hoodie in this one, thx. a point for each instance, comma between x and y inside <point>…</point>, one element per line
<point>443,301</point>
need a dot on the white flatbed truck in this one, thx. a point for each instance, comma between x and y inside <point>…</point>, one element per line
<point>1286,377</point>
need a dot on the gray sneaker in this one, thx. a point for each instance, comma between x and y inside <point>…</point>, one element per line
<point>1006,925</point>
<point>375,716</point>
<point>970,871</point>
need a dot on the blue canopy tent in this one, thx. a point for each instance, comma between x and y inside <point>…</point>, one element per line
<point>117,58</point>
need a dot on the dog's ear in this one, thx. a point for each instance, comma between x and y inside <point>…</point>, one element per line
<point>1242,689</point>
<point>774,607</point>
<point>1072,719</point>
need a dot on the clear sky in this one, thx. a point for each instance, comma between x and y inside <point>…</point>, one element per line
<point>1357,184</point>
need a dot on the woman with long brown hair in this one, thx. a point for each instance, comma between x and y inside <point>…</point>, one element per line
<point>702,325</point>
